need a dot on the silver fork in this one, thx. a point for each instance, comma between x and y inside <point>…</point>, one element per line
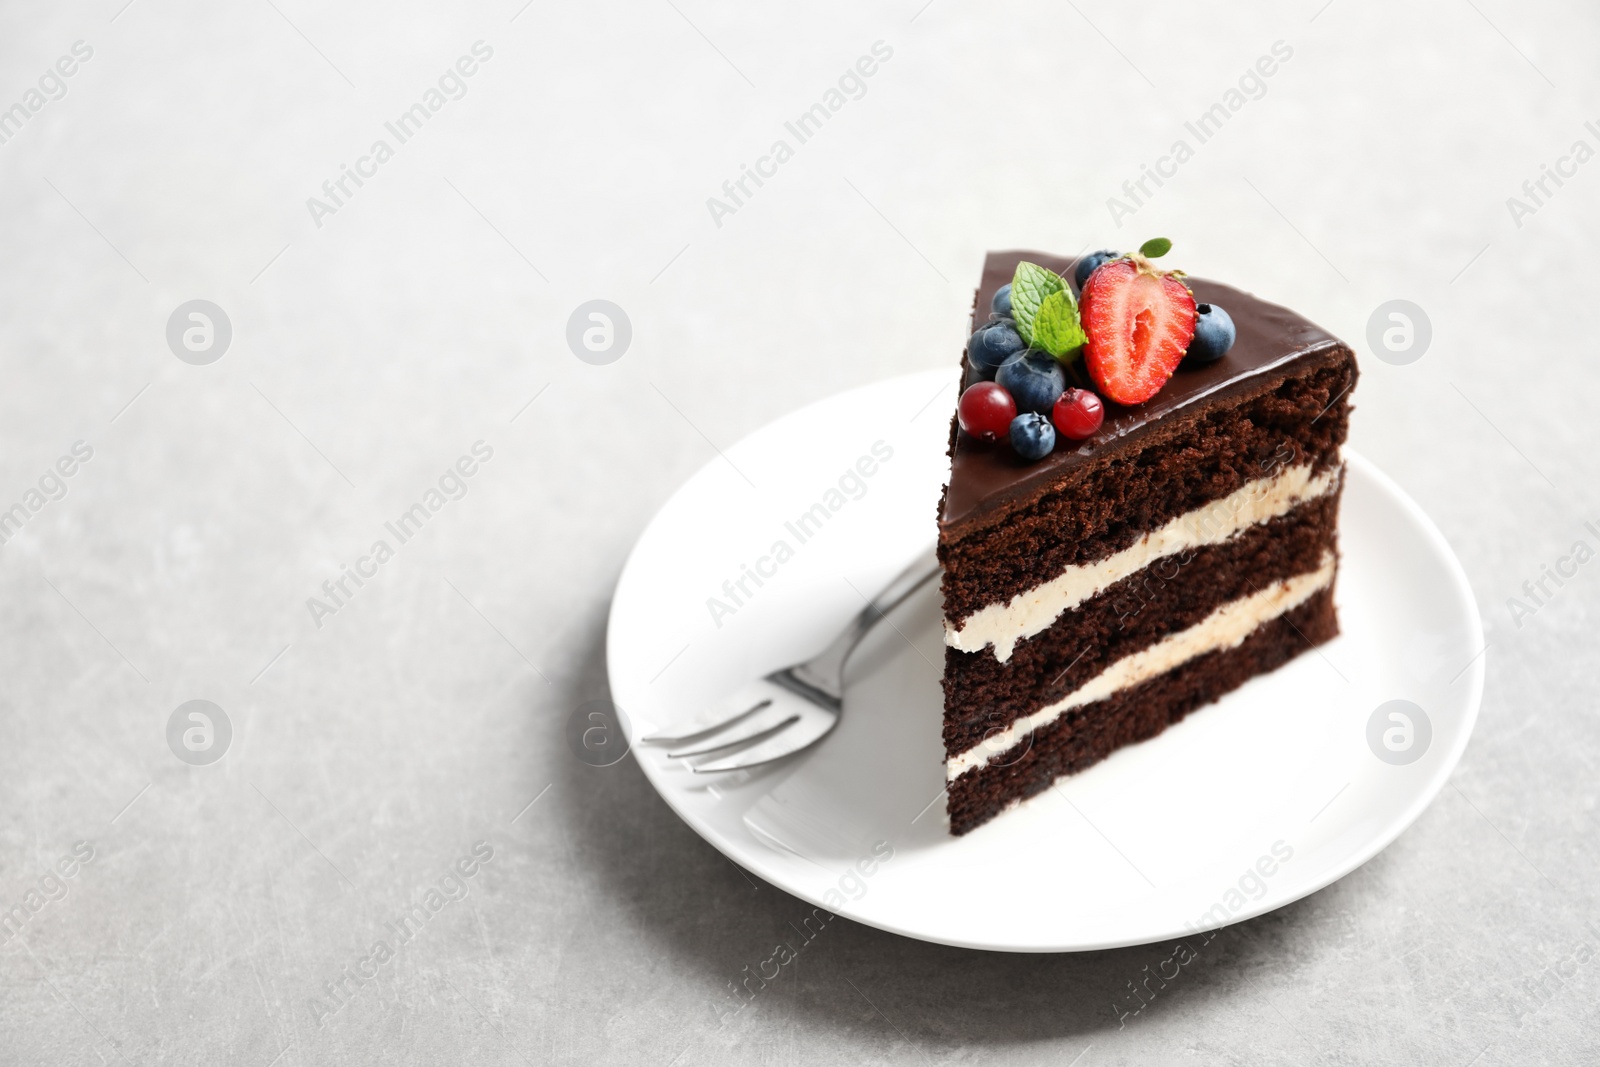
<point>793,708</point>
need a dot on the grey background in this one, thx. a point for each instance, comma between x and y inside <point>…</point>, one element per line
<point>369,354</point>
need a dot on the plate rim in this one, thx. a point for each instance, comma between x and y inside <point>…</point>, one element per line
<point>1392,829</point>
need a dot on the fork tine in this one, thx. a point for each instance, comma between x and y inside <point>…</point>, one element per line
<point>705,731</point>
<point>755,731</point>
<point>814,723</point>
<point>744,743</point>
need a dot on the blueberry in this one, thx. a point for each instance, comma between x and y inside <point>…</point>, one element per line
<point>992,345</point>
<point>1214,334</point>
<point>1034,381</point>
<point>1088,263</point>
<point>1032,436</point>
<point>1001,304</point>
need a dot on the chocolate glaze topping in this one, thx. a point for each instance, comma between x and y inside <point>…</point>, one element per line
<point>986,477</point>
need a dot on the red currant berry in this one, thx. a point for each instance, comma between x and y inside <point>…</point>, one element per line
<point>986,411</point>
<point>1078,414</point>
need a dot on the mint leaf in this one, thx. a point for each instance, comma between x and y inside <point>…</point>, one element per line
<point>1056,328</point>
<point>1029,287</point>
<point>1155,248</point>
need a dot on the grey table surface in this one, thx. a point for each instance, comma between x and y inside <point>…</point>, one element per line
<point>381,332</point>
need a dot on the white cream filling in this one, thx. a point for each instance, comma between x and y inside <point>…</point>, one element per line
<point>1033,612</point>
<point>1224,628</point>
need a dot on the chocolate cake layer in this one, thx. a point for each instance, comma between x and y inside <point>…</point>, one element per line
<point>983,695</point>
<point>1084,736</point>
<point>986,484</point>
<point>1092,510</point>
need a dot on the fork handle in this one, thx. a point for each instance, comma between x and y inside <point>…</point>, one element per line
<point>823,674</point>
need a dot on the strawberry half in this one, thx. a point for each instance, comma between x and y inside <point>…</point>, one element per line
<point>1140,321</point>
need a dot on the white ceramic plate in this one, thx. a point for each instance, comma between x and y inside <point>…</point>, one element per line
<point>1247,805</point>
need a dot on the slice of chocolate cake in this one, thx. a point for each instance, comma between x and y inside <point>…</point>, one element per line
<point>1186,543</point>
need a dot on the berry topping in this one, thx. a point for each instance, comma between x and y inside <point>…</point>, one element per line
<point>1001,304</point>
<point>1214,334</point>
<point>1078,414</point>
<point>992,345</point>
<point>1034,381</point>
<point>1087,265</point>
<point>986,411</point>
<point>1032,436</point>
<point>1139,320</point>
